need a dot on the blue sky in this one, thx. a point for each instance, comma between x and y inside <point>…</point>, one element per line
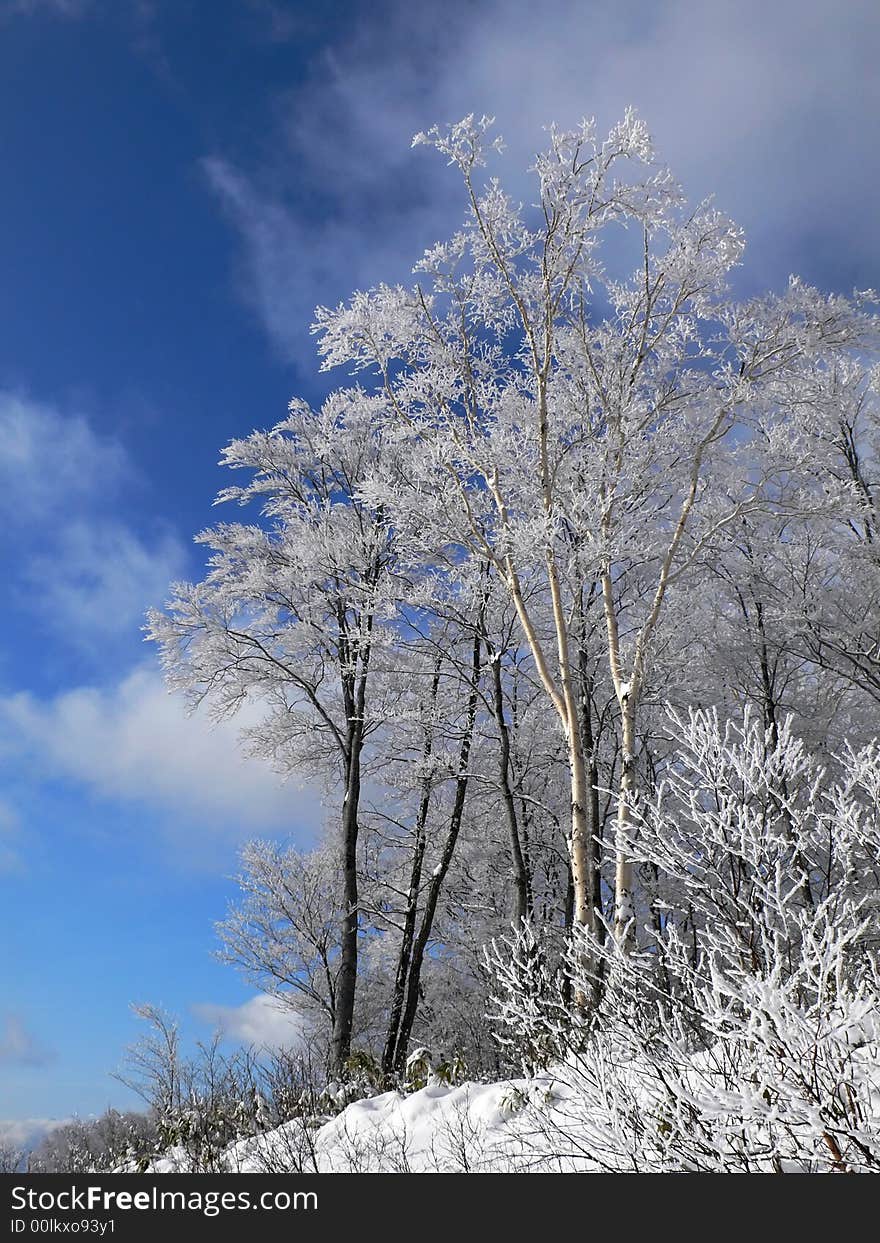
<point>184,181</point>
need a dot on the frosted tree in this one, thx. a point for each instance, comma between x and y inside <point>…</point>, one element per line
<point>577,479</point>
<point>579,431</point>
<point>785,620</point>
<point>283,932</point>
<point>290,616</point>
<point>835,578</point>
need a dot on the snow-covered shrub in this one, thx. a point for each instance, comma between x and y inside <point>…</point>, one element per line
<point>361,1078</point>
<point>534,1022</point>
<point>11,1158</point>
<point>200,1104</point>
<point>744,1031</point>
<point>88,1145</point>
<point>424,1070</point>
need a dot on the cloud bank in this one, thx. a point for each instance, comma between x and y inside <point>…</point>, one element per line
<point>769,107</point>
<point>135,742</point>
<point>23,1134</point>
<point>51,460</point>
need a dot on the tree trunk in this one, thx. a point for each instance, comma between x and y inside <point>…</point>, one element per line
<point>624,906</point>
<point>581,846</point>
<point>407,935</point>
<point>521,879</point>
<point>439,874</point>
<point>594,817</point>
<point>346,980</point>
<point>412,903</point>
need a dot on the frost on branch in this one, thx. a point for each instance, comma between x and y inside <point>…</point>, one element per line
<point>745,1034</point>
<point>462,142</point>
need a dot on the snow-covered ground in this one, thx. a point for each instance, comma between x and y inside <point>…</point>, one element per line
<point>597,1114</point>
<point>472,1127</point>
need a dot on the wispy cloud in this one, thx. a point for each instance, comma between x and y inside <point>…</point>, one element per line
<point>99,578</point>
<point>50,461</point>
<point>26,1133</point>
<point>293,261</point>
<point>49,8</point>
<point>767,106</point>
<point>18,1046</point>
<point>75,563</point>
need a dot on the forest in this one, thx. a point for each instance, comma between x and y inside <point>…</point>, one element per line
<point>568,596</point>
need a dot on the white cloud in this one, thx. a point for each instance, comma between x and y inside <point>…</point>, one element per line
<point>87,576</point>
<point>134,741</point>
<point>770,107</point>
<point>291,263</point>
<point>263,1022</point>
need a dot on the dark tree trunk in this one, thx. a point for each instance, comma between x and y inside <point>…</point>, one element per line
<point>354,651</point>
<point>594,814</point>
<point>769,711</point>
<point>522,881</point>
<point>412,903</point>
<point>438,875</point>
<point>346,979</point>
